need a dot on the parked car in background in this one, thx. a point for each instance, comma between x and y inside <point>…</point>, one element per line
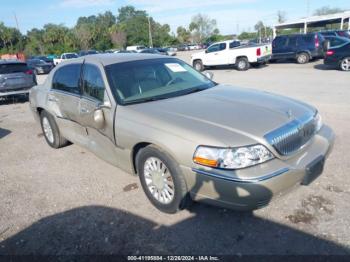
<point>15,77</point>
<point>39,66</point>
<point>151,51</point>
<point>87,52</point>
<point>166,51</point>
<point>185,136</point>
<point>65,56</point>
<point>340,33</point>
<point>136,48</point>
<point>125,51</point>
<point>231,53</point>
<point>44,58</point>
<point>183,47</point>
<point>339,56</point>
<point>299,47</point>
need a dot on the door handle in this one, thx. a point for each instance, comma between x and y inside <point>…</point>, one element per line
<point>53,99</point>
<point>84,110</point>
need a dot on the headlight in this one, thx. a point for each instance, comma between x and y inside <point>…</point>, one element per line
<point>231,158</point>
<point>318,122</point>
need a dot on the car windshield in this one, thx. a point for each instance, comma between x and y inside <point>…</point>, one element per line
<point>153,79</point>
<point>69,56</point>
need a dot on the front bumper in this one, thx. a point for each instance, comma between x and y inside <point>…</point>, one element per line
<point>254,187</point>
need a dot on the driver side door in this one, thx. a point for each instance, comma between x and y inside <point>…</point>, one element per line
<point>215,55</point>
<point>94,104</point>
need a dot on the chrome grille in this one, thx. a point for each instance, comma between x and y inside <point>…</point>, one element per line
<point>292,136</point>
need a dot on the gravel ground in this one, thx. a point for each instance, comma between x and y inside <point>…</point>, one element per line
<point>68,201</point>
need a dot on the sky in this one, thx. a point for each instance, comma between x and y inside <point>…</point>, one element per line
<point>232,16</point>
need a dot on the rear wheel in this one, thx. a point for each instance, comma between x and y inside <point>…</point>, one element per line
<point>303,58</point>
<point>345,64</point>
<point>162,180</point>
<point>198,65</point>
<point>51,131</point>
<point>242,64</point>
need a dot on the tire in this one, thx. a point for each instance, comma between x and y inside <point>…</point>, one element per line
<point>198,65</point>
<point>48,125</point>
<point>149,163</point>
<point>242,64</point>
<point>303,58</point>
<point>345,64</point>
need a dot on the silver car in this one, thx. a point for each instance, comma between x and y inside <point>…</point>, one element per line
<point>185,136</point>
<point>15,77</point>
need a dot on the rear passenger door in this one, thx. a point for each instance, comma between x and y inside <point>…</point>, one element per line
<point>99,139</point>
<point>63,101</point>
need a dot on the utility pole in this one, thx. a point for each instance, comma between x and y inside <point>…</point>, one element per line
<point>20,39</point>
<point>307,8</point>
<point>150,33</point>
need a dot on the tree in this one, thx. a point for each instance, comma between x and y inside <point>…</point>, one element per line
<point>118,36</point>
<point>183,35</point>
<point>202,27</point>
<point>326,10</point>
<point>281,17</point>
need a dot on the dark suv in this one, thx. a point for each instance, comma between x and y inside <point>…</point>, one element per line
<point>301,47</point>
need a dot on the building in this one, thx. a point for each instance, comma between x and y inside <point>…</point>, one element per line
<point>316,21</point>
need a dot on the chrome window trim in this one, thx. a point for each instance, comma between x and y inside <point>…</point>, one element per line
<point>242,180</point>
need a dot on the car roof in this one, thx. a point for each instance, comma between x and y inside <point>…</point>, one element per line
<point>12,61</point>
<point>114,58</point>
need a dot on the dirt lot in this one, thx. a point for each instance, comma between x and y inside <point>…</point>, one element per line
<point>68,201</point>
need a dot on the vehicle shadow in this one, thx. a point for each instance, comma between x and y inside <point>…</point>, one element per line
<point>4,132</point>
<point>233,67</point>
<point>323,67</point>
<point>14,99</point>
<point>100,230</point>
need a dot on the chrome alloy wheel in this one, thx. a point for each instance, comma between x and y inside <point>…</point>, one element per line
<point>241,64</point>
<point>47,130</point>
<point>345,64</point>
<point>159,180</point>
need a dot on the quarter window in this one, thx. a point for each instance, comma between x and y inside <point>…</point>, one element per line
<point>93,83</point>
<point>67,79</point>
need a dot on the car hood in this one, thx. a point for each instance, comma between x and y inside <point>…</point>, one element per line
<point>231,115</point>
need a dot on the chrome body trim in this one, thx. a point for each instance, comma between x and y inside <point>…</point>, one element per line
<point>242,180</point>
<point>293,136</point>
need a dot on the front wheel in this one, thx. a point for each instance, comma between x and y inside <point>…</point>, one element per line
<point>162,180</point>
<point>51,131</point>
<point>345,64</point>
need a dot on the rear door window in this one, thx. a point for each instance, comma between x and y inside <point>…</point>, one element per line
<point>13,68</point>
<point>280,42</point>
<point>67,79</point>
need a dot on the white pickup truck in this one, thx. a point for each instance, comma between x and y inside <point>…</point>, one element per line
<point>64,57</point>
<point>232,53</point>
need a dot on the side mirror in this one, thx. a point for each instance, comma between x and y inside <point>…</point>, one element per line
<point>206,51</point>
<point>99,118</point>
<point>208,74</point>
